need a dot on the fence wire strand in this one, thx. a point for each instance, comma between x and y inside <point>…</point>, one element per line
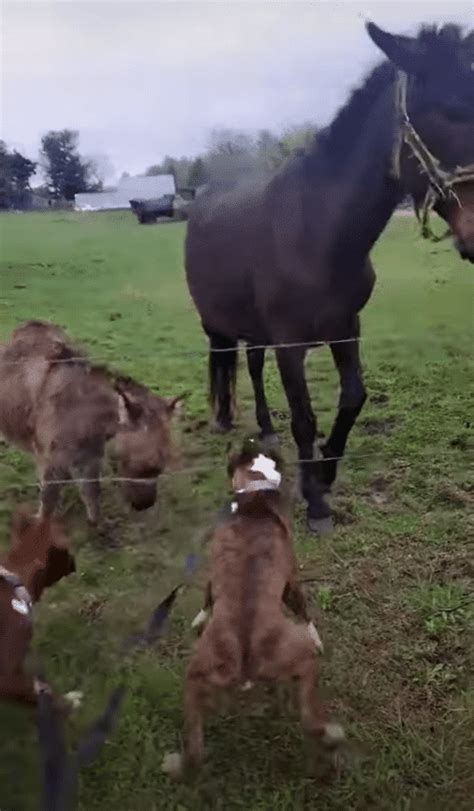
<point>192,352</point>
<point>181,472</point>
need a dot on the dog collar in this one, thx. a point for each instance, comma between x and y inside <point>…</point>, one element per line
<point>258,484</point>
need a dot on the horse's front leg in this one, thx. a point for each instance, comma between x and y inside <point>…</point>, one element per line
<point>256,362</point>
<point>352,398</point>
<point>303,426</point>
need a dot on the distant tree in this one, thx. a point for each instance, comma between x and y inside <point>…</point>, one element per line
<point>15,174</point>
<point>197,174</point>
<point>154,169</point>
<point>100,169</point>
<point>231,155</point>
<point>5,176</point>
<point>66,171</point>
<point>178,167</point>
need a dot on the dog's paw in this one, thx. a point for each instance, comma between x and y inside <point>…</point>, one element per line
<point>333,735</point>
<point>74,699</point>
<point>172,764</point>
<point>313,632</point>
<point>200,619</point>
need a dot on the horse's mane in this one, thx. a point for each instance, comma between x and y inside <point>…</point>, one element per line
<point>443,46</point>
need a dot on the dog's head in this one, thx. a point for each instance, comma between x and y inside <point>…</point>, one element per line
<point>253,461</point>
<point>39,550</point>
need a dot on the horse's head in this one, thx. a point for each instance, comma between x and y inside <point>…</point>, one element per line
<point>439,109</point>
<point>143,443</point>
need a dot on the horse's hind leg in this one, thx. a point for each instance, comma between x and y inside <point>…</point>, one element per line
<point>352,398</point>
<point>222,377</point>
<point>255,362</point>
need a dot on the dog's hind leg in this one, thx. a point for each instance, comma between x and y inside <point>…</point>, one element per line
<point>196,693</point>
<point>313,717</point>
<point>195,699</point>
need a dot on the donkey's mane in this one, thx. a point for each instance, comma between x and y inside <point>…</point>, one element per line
<point>75,356</point>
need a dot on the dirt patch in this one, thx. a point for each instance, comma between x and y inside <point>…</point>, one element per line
<point>378,425</point>
<point>91,609</point>
<point>453,495</point>
<point>379,398</point>
<point>378,491</point>
<point>460,442</point>
<point>343,512</point>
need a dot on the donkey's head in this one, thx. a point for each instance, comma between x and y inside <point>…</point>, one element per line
<point>143,443</point>
<point>439,64</point>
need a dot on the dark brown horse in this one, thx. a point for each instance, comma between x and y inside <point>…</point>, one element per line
<point>287,260</point>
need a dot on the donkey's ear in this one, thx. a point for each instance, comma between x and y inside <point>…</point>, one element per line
<point>130,409</point>
<point>175,405</point>
<point>405,52</point>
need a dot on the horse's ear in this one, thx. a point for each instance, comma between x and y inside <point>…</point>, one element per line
<point>405,52</point>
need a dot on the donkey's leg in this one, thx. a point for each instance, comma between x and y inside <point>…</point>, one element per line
<point>51,477</point>
<point>303,426</point>
<point>255,362</point>
<point>222,376</point>
<point>351,401</point>
<point>90,490</point>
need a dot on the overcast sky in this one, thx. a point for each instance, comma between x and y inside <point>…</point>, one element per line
<point>143,79</point>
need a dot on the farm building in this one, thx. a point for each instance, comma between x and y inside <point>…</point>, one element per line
<point>140,187</point>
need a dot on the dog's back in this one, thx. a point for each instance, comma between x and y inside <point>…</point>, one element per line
<point>250,564</point>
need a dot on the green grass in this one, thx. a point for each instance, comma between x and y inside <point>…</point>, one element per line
<point>393,587</point>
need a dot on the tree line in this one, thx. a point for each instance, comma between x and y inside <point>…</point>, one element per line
<point>228,155</point>
<point>66,172</point>
<point>233,153</point>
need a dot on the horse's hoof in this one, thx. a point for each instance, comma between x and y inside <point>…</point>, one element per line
<point>321,526</point>
<point>271,442</point>
<point>220,427</point>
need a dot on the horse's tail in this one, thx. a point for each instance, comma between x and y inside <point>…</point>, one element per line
<point>223,357</point>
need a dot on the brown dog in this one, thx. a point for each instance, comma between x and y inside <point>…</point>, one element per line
<point>248,637</point>
<point>37,558</point>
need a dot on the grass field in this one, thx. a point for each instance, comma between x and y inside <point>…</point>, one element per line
<point>393,587</point>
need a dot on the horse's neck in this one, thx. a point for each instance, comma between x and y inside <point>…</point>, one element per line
<point>364,190</point>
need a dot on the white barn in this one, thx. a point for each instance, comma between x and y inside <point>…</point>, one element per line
<point>140,187</point>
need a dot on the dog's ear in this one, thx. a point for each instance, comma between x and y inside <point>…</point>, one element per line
<point>22,520</point>
<point>59,563</point>
<point>34,575</point>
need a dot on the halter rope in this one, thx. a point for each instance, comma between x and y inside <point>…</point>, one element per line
<point>441,182</point>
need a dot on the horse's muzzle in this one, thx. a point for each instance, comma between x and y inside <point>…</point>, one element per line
<point>141,496</point>
<point>465,249</point>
